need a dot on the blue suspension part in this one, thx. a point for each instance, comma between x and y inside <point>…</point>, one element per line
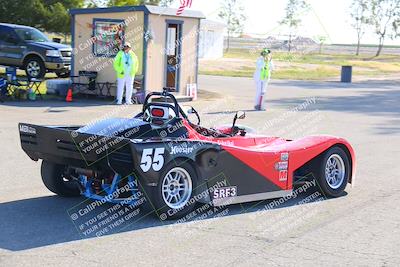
<point>112,191</point>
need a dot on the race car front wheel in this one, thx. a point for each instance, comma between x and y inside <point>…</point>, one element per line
<point>334,172</point>
<point>174,197</point>
<point>55,180</point>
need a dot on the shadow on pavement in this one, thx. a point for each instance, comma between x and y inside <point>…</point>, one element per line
<point>43,221</point>
<point>57,103</point>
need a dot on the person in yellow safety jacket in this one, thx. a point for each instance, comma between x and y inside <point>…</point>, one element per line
<point>126,65</point>
<point>262,76</point>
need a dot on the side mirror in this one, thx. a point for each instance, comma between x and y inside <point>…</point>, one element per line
<point>240,115</point>
<point>190,110</point>
<point>187,109</point>
<point>57,40</point>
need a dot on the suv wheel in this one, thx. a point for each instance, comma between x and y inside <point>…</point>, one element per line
<point>35,68</point>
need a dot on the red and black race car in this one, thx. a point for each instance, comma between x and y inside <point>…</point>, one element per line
<point>174,163</point>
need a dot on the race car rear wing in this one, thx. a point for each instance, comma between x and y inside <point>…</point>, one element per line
<point>64,145</point>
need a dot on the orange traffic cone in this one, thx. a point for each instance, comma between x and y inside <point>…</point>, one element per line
<point>69,95</point>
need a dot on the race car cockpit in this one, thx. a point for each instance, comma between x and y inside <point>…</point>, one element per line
<point>161,110</point>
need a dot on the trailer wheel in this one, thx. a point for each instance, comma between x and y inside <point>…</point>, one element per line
<point>333,172</point>
<point>174,195</point>
<point>54,179</point>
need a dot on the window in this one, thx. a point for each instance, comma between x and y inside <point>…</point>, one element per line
<point>30,34</point>
<point>108,36</point>
<point>7,36</point>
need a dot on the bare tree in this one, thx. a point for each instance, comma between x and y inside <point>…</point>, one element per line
<point>396,25</point>
<point>384,14</point>
<point>232,12</point>
<point>294,10</point>
<point>360,9</point>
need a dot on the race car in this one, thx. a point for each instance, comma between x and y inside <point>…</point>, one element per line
<point>162,155</point>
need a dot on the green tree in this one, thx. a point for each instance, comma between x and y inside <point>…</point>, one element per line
<point>232,12</point>
<point>24,12</point>
<point>295,9</point>
<point>396,27</point>
<point>68,4</point>
<point>48,15</point>
<point>383,16</point>
<point>132,2</point>
<point>359,13</point>
<point>96,3</point>
<point>58,20</point>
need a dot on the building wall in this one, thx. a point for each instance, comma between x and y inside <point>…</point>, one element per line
<point>84,58</point>
<point>211,42</point>
<point>156,62</point>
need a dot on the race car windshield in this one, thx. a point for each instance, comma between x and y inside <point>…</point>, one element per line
<point>34,35</point>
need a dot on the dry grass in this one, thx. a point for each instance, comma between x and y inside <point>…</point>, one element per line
<point>241,63</point>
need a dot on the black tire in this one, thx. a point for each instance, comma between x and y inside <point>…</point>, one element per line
<point>331,189</point>
<point>53,179</point>
<point>34,67</point>
<point>163,210</point>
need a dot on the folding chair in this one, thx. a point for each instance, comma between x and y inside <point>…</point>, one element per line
<point>84,82</point>
<point>139,95</point>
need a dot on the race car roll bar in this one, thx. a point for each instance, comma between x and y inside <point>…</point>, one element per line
<point>165,94</point>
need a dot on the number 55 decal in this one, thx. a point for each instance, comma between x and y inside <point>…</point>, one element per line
<point>157,162</point>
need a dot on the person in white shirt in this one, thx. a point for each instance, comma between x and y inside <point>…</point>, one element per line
<point>262,76</point>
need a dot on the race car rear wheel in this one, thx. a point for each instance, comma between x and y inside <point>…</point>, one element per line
<point>173,198</point>
<point>334,172</point>
<point>55,180</point>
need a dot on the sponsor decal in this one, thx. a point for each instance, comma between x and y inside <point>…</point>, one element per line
<point>224,142</point>
<point>284,156</point>
<point>181,150</point>
<point>282,176</point>
<point>225,192</point>
<point>27,129</point>
<point>282,165</point>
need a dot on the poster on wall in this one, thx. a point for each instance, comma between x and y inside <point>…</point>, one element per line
<point>108,37</point>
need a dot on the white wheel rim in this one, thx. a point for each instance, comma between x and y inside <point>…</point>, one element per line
<point>33,68</point>
<point>335,171</point>
<point>176,188</point>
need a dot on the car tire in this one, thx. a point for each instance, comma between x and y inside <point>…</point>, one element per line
<point>333,172</point>
<point>170,202</point>
<point>35,68</point>
<point>53,178</point>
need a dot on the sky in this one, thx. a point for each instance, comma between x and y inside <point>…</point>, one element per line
<point>330,18</point>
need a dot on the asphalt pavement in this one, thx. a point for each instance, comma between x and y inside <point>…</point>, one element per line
<point>361,228</point>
